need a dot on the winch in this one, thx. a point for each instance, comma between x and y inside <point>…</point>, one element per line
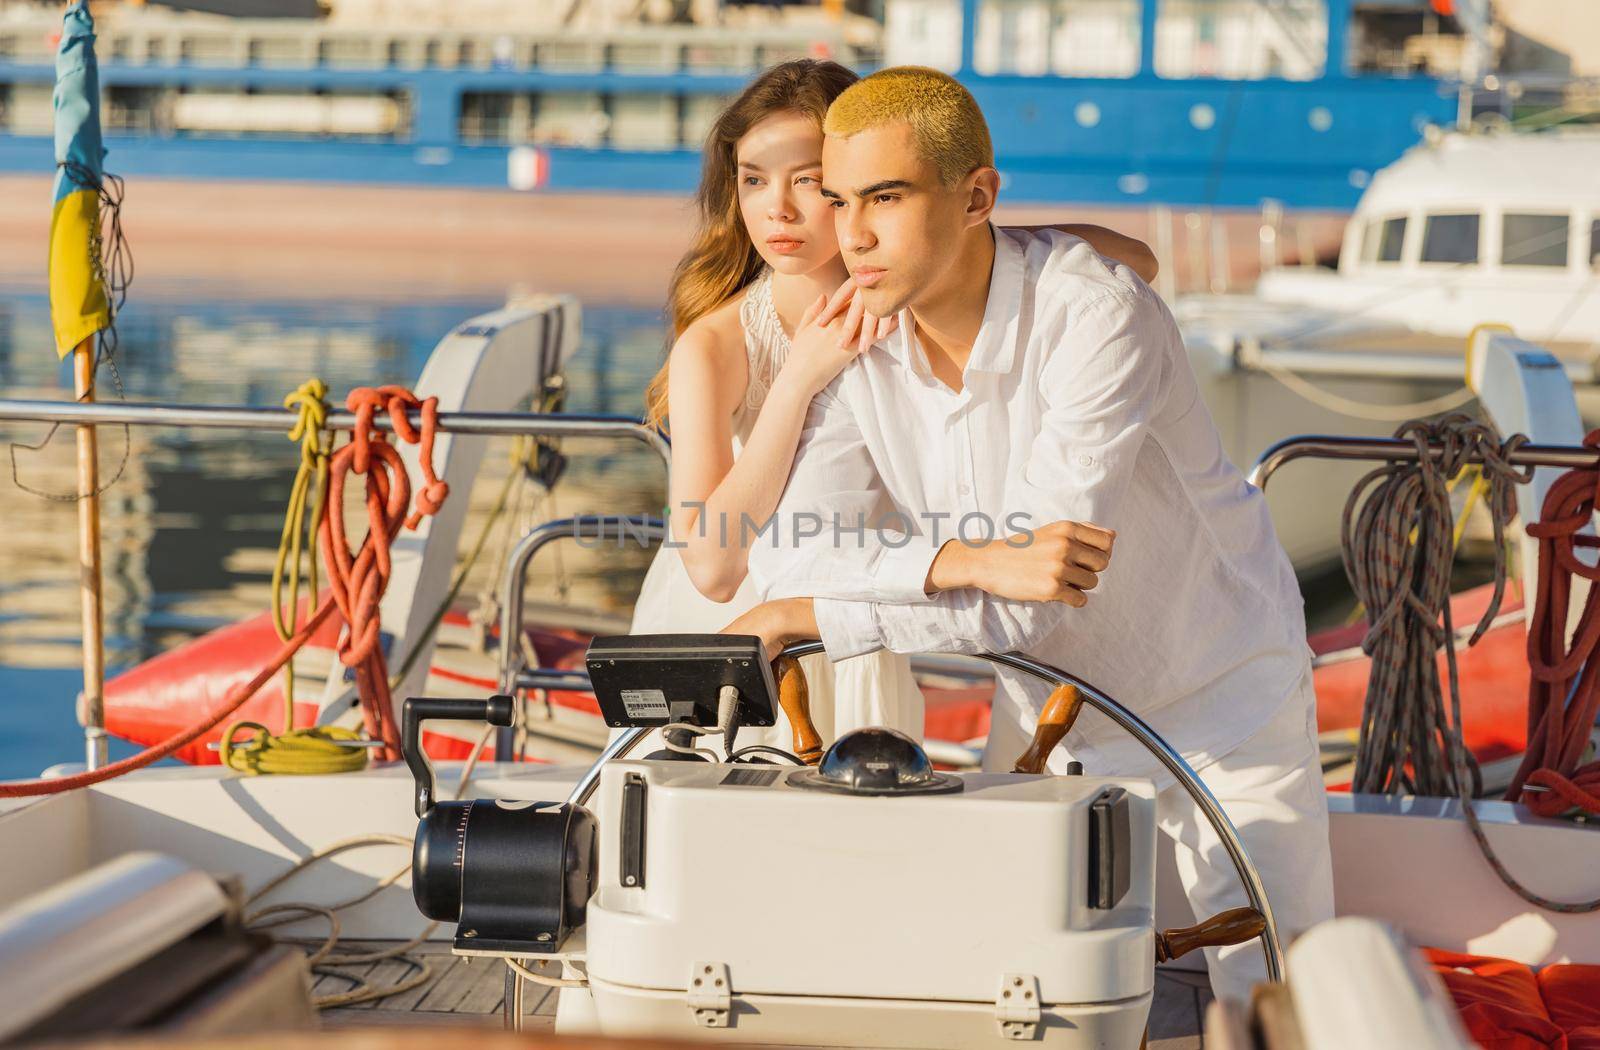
<point>525,881</point>
<point>869,901</point>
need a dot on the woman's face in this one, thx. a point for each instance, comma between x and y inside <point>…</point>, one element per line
<point>780,176</point>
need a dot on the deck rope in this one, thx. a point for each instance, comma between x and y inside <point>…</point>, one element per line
<point>316,750</point>
<point>301,519</point>
<point>1564,693</point>
<point>1398,545</point>
<point>324,956</point>
<point>1398,549</point>
<point>359,579</point>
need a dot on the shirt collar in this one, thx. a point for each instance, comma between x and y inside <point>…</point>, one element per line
<point>996,347</point>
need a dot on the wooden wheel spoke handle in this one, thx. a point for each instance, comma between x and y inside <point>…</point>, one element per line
<point>1055,722</point>
<point>1234,926</point>
<point>794,696</point>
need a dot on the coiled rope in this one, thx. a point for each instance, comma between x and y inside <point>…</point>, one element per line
<point>308,494</point>
<point>318,750</point>
<point>322,957</point>
<point>1564,693</point>
<point>1397,534</point>
<point>359,580</point>
<point>1397,551</point>
<point>360,577</point>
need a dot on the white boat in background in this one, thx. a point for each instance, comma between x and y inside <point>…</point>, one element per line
<point>1465,229</point>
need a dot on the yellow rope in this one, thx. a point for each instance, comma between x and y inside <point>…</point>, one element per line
<point>316,751</point>
<point>310,400</point>
<point>319,749</point>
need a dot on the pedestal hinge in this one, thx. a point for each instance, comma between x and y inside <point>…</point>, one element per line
<point>710,995</point>
<point>1016,1007</point>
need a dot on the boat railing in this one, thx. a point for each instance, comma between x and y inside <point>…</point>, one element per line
<point>1399,450</point>
<point>242,417</point>
<point>514,675</point>
<point>303,44</point>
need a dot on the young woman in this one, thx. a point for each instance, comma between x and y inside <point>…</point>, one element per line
<point>748,357</point>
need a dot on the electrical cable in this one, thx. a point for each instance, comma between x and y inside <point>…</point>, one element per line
<point>765,750</point>
<point>539,978</point>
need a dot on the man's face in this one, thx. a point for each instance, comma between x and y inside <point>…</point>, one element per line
<point>899,227</point>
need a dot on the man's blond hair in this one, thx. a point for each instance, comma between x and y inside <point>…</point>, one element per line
<point>945,120</point>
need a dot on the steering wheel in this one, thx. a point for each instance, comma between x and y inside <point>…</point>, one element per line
<point>1220,929</point>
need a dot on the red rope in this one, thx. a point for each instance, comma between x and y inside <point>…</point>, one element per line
<point>235,699</point>
<point>1564,692</point>
<point>359,579</point>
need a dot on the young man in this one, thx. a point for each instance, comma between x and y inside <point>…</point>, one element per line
<point>1033,388</point>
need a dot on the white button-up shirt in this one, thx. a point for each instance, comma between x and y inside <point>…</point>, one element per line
<point>1077,403</point>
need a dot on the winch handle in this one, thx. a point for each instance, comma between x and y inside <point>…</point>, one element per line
<point>794,696</point>
<point>497,711</point>
<point>1055,722</point>
<point>1234,926</point>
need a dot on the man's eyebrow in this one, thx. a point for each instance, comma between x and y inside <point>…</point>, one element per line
<point>886,184</point>
<point>832,196</point>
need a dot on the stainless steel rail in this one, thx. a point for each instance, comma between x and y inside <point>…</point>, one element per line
<point>232,417</point>
<point>1255,890</point>
<point>537,678</point>
<point>1398,450</point>
<point>239,417</point>
<point>604,527</point>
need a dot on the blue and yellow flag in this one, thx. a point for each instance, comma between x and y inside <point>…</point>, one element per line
<point>79,306</point>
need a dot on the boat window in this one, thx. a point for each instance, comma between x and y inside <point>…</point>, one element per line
<point>923,34</point>
<point>1241,39</point>
<point>1382,240</point>
<point>1095,38</point>
<point>1013,37</point>
<point>1594,245</point>
<point>1450,238</point>
<point>1534,240</point>
<point>486,117</point>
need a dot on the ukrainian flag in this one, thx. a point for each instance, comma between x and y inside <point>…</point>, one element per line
<point>78,303</point>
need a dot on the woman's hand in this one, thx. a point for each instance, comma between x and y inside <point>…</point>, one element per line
<point>777,623</point>
<point>832,333</point>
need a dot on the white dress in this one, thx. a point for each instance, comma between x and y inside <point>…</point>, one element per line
<point>877,689</point>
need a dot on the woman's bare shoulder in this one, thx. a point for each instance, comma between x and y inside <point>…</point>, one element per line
<point>716,337</point>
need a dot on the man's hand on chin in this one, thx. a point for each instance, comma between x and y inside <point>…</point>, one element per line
<point>777,623</point>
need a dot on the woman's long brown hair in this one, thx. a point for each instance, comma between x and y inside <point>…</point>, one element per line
<point>723,260</point>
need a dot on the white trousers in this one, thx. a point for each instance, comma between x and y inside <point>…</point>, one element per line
<point>1271,788</point>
